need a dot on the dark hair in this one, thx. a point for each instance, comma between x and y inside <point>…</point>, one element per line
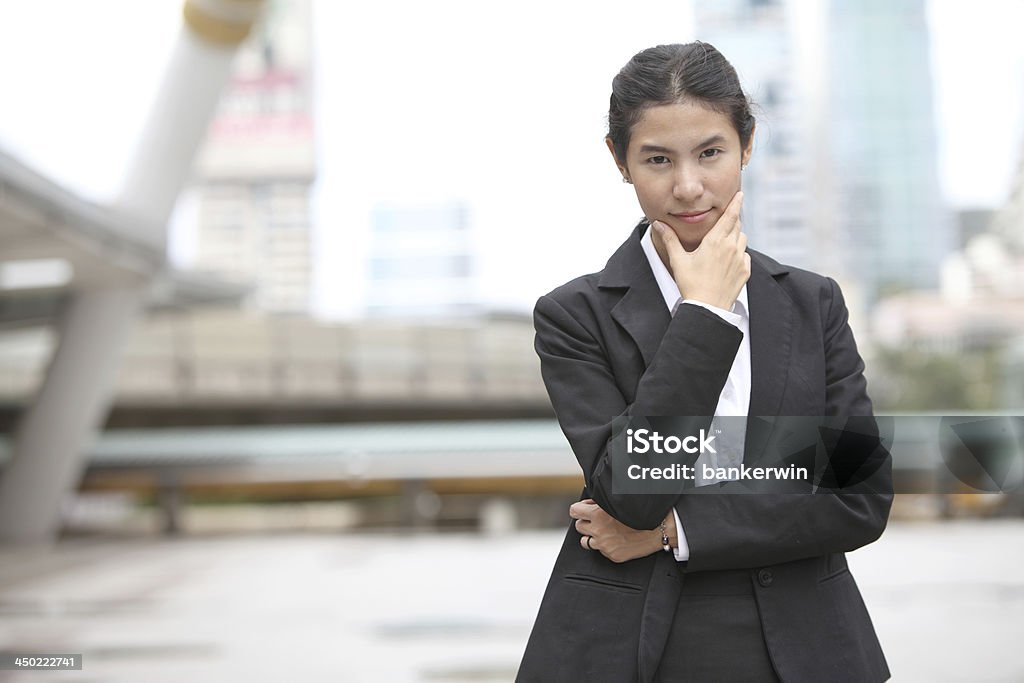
<point>667,74</point>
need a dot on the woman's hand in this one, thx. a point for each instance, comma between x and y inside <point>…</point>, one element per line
<point>612,538</point>
<point>714,272</point>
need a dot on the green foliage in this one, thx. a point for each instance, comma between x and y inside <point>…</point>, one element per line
<point>915,380</point>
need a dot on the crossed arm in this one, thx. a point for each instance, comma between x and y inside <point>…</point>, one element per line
<point>686,377</point>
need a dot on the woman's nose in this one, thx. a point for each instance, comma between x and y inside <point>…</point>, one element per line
<point>688,185</point>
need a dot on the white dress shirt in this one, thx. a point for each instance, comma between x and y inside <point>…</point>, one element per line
<point>735,397</point>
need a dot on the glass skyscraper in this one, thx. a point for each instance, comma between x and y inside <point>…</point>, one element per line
<point>890,215</point>
<point>844,175</point>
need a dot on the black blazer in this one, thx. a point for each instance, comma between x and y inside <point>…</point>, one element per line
<point>609,347</point>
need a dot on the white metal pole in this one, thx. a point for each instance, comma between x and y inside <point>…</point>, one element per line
<point>64,420</point>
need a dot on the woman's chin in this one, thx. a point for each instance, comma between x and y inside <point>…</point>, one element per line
<point>691,239</point>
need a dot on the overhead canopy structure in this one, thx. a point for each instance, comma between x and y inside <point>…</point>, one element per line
<point>54,242</point>
<point>95,269</point>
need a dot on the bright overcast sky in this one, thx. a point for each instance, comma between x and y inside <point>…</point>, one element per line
<point>517,93</point>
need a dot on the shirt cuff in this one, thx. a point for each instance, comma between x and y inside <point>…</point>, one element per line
<point>682,552</point>
<point>733,319</point>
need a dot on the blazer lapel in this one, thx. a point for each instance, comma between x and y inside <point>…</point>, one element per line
<point>771,337</point>
<point>641,311</point>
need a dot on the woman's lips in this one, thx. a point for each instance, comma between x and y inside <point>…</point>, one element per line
<point>691,217</point>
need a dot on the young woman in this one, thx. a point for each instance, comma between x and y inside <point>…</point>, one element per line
<point>685,320</point>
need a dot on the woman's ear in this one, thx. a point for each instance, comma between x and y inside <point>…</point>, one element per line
<point>750,147</point>
<point>618,164</point>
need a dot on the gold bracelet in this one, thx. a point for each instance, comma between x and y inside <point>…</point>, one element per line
<point>664,538</point>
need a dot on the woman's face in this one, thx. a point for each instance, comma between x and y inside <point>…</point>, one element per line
<point>684,161</point>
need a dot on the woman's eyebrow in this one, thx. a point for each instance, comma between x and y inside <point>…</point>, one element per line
<point>713,140</point>
<point>716,139</point>
<point>656,149</point>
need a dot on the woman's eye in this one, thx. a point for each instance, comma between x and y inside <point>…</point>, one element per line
<point>710,153</point>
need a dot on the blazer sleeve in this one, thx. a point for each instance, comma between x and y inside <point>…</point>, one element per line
<point>724,530</point>
<point>734,531</point>
<point>685,377</point>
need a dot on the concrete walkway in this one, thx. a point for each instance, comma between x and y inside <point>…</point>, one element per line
<point>947,600</point>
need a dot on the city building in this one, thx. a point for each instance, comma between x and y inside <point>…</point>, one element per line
<point>1008,223</point>
<point>843,178</point>
<point>762,40</point>
<point>422,262</point>
<point>250,201</point>
<point>891,221</point>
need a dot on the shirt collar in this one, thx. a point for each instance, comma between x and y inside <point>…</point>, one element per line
<point>669,288</point>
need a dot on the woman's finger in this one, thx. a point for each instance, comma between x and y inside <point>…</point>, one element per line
<point>669,240</point>
<point>729,221</point>
<point>582,510</point>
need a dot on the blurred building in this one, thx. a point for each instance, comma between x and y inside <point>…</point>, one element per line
<point>887,205</point>
<point>759,38</point>
<point>250,201</point>
<point>964,342</point>
<point>422,262</point>
<point>990,266</point>
<point>219,366</point>
<point>843,179</point>
<point>1008,223</point>
<point>104,265</point>
<point>971,223</point>
<point>928,322</point>
<point>979,305</point>
<point>1013,370</point>
<point>980,302</point>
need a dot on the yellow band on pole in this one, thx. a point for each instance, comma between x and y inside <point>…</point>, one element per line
<point>222,22</point>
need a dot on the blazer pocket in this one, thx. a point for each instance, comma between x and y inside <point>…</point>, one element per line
<point>601,582</point>
<point>834,576</point>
